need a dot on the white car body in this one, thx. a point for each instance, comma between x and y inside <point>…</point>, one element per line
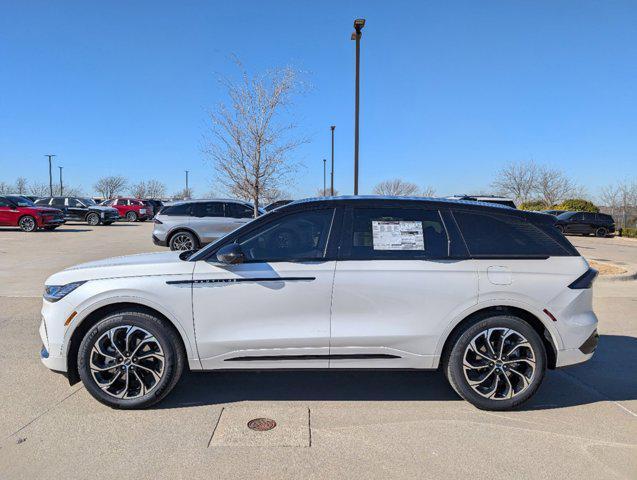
<point>323,314</point>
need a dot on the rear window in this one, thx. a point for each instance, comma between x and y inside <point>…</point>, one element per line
<point>497,235</point>
<point>207,209</point>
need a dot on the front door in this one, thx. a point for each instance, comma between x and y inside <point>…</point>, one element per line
<point>395,289</point>
<point>273,310</point>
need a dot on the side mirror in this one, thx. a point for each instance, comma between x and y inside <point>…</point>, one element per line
<point>230,254</point>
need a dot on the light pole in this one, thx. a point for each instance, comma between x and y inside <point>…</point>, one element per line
<point>187,192</point>
<point>359,23</point>
<point>324,177</point>
<point>332,172</point>
<point>50,175</point>
<point>61,186</point>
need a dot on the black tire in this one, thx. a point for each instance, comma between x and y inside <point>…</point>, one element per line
<point>183,240</point>
<point>601,232</point>
<point>93,219</point>
<point>28,224</point>
<point>171,347</point>
<point>131,216</point>
<point>454,359</point>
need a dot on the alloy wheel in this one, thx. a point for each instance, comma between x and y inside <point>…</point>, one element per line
<point>93,219</point>
<point>127,362</point>
<point>27,224</point>
<point>601,232</point>
<point>182,241</point>
<point>499,363</point>
<point>131,216</point>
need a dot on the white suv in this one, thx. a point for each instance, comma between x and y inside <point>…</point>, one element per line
<point>491,295</point>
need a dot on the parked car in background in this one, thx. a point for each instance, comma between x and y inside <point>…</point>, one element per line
<point>153,205</point>
<point>585,223</point>
<point>277,204</point>
<point>189,224</point>
<point>81,209</point>
<point>555,213</point>
<point>491,296</point>
<point>33,198</point>
<point>507,202</point>
<point>18,211</point>
<point>131,209</point>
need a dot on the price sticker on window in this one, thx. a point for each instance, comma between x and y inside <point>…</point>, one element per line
<point>397,235</point>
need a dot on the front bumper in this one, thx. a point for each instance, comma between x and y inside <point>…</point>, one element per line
<point>50,222</point>
<point>49,355</point>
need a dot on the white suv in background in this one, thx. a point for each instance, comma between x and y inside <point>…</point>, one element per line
<point>189,224</point>
<point>490,295</point>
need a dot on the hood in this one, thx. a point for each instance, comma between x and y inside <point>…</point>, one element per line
<point>145,264</point>
<point>102,208</point>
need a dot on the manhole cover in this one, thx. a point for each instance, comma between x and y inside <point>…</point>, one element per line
<point>261,424</point>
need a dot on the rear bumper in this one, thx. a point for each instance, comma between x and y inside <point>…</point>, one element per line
<point>161,243</point>
<point>584,352</point>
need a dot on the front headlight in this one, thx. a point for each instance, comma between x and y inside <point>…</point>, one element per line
<point>53,293</point>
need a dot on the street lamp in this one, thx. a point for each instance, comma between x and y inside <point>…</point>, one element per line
<point>61,186</point>
<point>359,23</point>
<point>187,192</point>
<point>50,174</point>
<point>324,178</point>
<point>332,173</point>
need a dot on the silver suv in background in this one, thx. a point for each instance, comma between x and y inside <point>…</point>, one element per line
<point>190,224</point>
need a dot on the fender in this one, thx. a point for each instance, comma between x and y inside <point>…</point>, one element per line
<point>94,303</point>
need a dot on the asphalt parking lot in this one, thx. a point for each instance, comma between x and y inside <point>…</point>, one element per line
<point>582,423</point>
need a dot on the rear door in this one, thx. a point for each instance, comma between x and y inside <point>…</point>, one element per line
<point>8,211</point>
<point>76,209</point>
<point>238,214</point>
<point>60,204</point>
<point>395,288</point>
<point>208,220</point>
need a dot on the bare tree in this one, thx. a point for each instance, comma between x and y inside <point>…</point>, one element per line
<point>397,188</point>
<point>326,193</point>
<point>21,186</point>
<point>428,191</point>
<point>553,186</point>
<point>609,196</point>
<point>155,189</point>
<point>139,190</point>
<point>111,186</point>
<point>4,188</point>
<point>250,141</point>
<point>39,189</point>
<point>184,194</point>
<point>274,194</point>
<point>518,180</point>
<point>627,199</point>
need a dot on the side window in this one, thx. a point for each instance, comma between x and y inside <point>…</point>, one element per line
<point>57,202</point>
<point>4,202</point>
<point>395,234</point>
<point>499,235</point>
<point>239,210</point>
<point>589,217</point>
<point>74,203</point>
<point>183,209</point>
<point>207,209</point>
<point>298,236</point>
<point>42,201</point>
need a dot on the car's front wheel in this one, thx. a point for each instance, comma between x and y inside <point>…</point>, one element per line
<point>601,232</point>
<point>27,224</point>
<point>130,360</point>
<point>496,363</point>
<point>93,219</point>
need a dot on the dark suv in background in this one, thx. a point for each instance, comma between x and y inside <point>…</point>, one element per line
<point>81,209</point>
<point>585,223</point>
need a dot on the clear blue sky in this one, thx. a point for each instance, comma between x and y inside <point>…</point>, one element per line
<point>450,90</point>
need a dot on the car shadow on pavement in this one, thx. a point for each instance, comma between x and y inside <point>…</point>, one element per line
<point>608,376</point>
<point>64,230</point>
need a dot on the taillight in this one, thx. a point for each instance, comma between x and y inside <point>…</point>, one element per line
<point>158,221</point>
<point>585,281</point>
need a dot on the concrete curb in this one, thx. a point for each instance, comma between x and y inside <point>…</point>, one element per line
<point>623,277</point>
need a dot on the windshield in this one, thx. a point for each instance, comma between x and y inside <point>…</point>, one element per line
<point>566,215</point>
<point>88,201</point>
<point>20,201</point>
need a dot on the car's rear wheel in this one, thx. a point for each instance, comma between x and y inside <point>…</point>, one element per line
<point>131,216</point>
<point>560,228</point>
<point>27,224</point>
<point>601,232</point>
<point>130,360</point>
<point>183,241</point>
<point>496,363</point>
<point>93,219</point>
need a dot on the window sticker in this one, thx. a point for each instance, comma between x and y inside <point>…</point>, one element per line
<point>397,235</point>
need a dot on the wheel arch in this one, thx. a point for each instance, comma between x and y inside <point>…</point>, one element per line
<point>540,327</point>
<point>176,230</point>
<point>33,216</point>
<point>94,316</point>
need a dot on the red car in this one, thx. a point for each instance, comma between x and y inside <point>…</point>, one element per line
<point>130,208</point>
<point>17,211</point>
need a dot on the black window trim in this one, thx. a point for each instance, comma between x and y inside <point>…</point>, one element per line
<point>328,253</point>
<point>348,225</point>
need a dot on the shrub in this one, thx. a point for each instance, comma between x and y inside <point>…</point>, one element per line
<point>535,206</point>
<point>577,205</point>
<point>629,232</point>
